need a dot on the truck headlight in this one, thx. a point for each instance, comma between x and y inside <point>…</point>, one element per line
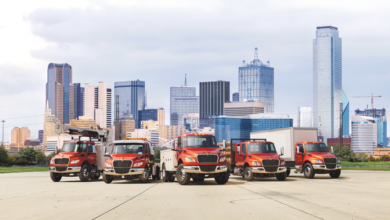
<point>338,160</point>
<point>317,161</point>
<point>256,163</point>
<point>74,161</point>
<point>138,164</point>
<point>108,165</point>
<point>190,159</point>
<point>282,163</point>
<point>222,159</point>
<point>52,161</point>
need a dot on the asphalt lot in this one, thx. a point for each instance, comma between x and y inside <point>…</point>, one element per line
<point>355,195</point>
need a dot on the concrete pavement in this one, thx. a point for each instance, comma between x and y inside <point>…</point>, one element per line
<point>355,195</point>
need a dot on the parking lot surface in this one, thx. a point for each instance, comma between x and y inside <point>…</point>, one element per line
<point>355,195</point>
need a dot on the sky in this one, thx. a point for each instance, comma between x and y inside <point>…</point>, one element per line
<point>160,41</point>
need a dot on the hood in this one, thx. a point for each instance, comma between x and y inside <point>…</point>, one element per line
<point>201,150</point>
<point>261,156</point>
<point>321,154</point>
<point>124,156</point>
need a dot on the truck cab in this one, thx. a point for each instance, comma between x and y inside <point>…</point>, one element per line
<point>314,157</point>
<point>257,158</point>
<point>195,156</point>
<point>130,159</point>
<point>77,158</point>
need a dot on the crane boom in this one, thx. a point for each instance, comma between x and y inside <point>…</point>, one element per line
<point>372,101</point>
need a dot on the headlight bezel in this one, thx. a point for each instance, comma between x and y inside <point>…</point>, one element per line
<point>108,164</point>
<point>222,159</point>
<point>74,161</point>
<point>190,159</point>
<point>338,161</point>
<point>138,164</point>
<point>283,163</point>
<point>317,161</point>
<point>256,163</point>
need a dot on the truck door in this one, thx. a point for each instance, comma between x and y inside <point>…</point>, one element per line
<point>240,155</point>
<point>91,154</point>
<point>299,157</point>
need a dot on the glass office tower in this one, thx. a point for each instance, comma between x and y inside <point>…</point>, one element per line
<point>256,82</point>
<point>345,114</point>
<point>236,97</point>
<point>183,102</point>
<point>305,118</point>
<point>327,81</point>
<point>131,99</point>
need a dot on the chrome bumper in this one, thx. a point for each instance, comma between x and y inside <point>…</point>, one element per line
<point>262,170</point>
<point>196,169</point>
<point>68,170</point>
<point>133,171</point>
<point>323,167</point>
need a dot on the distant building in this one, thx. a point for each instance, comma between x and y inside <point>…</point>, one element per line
<point>76,101</point>
<point>83,122</point>
<point>49,123</point>
<point>345,114</point>
<point>150,124</point>
<point>191,121</point>
<point>97,104</point>
<point>54,141</point>
<point>380,151</point>
<point>243,108</point>
<point>146,115</point>
<point>305,117</point>
<point>256,82</point>
<point>19,136</point>
<point>381,121</point>
<point>32,142</point>
<point>170,132</point>
<point>229,127</point>
<point>236,97</point>
<point>364,134</point>
<point>40,135</point>
<point>130,96</point>
<point>124,126</point>
<point>161,116</point>
<point>336,141</point>
<point>152,136</point>
<point>205,130</point>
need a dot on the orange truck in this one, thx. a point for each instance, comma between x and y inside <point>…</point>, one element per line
<point>78,158</point>
<point>303,151</point>
<point>196,157</point>
<point>251,158</point>
<point>130,159</point>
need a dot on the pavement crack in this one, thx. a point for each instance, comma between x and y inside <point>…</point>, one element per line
<point>282,203</point>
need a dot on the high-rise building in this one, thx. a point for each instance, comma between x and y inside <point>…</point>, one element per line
<point>305,117</point>
<point>40,135</point>
<point>83,122</point>
<point>49,123</point>
<point>345,114</point>
<point>364,134</point>
<point>183,101</point>
<point>150,124</point>
<point>161,116</point>
<point>243,108</point>
<point>327,80</point>
<point>256,83</point>
<point>170,132</point>
<point>59,79</point>
<point>97,104</point>
<point>125,125</point>
<point>236,97</point>
<point>19,136</point>
<point>130,97</point>
<point>213,96</point>
<point>191,121</point>
<point>380,118</point>
<point>146,115</point>
<point>76,101</point>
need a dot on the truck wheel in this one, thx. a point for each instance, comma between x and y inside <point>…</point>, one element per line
<point>165,175</point>
<point>222,178</point>
<point>56,177</point>
<point>288,172</point>
<point>85,173</point>
<point>335,173</point>
<point>182,177</point>
<point>248,174</point>
<point>107,178</point>
<point>96,176</point>
<point>281,176</point>
<point>145,176</point>
<point>308,171</point>
<point>158,175</point>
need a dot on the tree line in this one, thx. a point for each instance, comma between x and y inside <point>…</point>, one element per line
<point>346,154</point>
<point>25,156</point>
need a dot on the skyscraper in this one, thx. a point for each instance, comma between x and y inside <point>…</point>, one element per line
<point>130,96</point>
<point>76,101</point>
<point>345,114</point>
<point>97,104</point>
<point>327,81</point>
<point>59,78</point>
<point>380,118</point>
<point>256,82</point>
<point>236,97</point>
<point>364,134</point>
<point>305,118</point>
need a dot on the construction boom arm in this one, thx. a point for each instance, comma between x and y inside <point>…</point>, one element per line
<point>101,135</point>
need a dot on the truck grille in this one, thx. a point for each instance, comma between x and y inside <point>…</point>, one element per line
<point>122,166</point>
<point>206,168</point>
<point>61,161</point>
<point>330,162</point>
<point>213,158</point>
<point>61,169</point>
<point>270,165</point>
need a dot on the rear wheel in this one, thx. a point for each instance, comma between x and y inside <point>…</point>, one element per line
<point>56,177</point>
<point>248,174</point>
<point>165,174</point>
<point>182,177</point>
<point>145,176</point>
<point>281,176</point>
<point>107,178</point>
<point>335,173</point>
<point>85,173</point>
<point>308,171</point>
<point>221,178</point>
<point>158,175</point>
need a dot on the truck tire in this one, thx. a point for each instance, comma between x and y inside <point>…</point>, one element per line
<point>85,173</point>
<point>144,178</point>
<point>158,175</point>
<point>96,176</point>
<point>221,178</point>
<point>56,177</point>
<point>288,172</point>
<point>335,173</point>
<point>308,171</point>
<point>165,174</point>
<point>248,174</point>
<point>182,177</point>
<point>281,176</point>
<point>107,178</point>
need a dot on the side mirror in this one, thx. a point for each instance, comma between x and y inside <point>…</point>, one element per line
<point>224,144</point>
<point>298,150</point>
<point>281,151</point>
<point>139,153</point>
<point>331,149</point>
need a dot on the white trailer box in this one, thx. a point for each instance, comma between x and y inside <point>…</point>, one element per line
<point>287,137</point>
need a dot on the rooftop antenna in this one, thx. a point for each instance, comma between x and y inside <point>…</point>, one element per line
<point>185,80</point>
<point>256,54</point>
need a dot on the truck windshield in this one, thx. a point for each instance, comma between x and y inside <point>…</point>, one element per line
<point>317,147</point>
<point>74,147</point>
<point>261,148</point>
<point>128,148</point>
<point>199,141</point>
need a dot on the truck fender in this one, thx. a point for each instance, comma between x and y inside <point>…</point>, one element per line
<point>179,162</point>
<point>246,165</point>
<point>86,163</point>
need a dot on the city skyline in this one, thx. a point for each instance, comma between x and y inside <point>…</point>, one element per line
<point>290,54</point>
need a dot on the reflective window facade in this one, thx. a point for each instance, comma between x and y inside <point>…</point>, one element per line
<point>236,97</point>
<point>183,101</point>
<point>146,115</point>
<point>327,81</point>
<point>364,134</point>
<point>381,121</point>
<point>305,117</point>
<point>213,96</point>
<point>345,114</point>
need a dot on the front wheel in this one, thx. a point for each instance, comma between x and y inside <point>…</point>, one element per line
<point>56,177</point>
<point>335,173</point>
<point>182,177</point>
<point>281,176</point>
<point>107,178</point>
<point>85,173</point>
<point>145,176</point>
<point>222,178</point>
<point>308,171</point>
<point>165,175</point>
<point>248,174</point>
